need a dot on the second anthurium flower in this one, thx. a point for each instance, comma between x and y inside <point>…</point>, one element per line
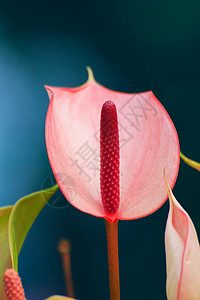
<point>182,253</point>
<point>83,127</point>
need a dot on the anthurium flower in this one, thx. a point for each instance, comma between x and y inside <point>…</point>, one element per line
<point>148,143</point>
<point>182,254</point>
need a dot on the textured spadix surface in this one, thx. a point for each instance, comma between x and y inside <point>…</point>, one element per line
<point>148,144</point>
<point>109,158</point>
<point>13,285</point>
<point>182,254</point>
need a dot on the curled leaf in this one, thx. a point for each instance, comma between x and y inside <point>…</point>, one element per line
<point>182,253</point>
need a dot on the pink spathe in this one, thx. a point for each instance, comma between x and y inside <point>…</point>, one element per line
<point>148,144</point>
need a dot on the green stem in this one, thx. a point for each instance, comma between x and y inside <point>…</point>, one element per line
<point>113,259</point>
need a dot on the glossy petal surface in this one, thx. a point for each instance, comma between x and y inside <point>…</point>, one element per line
<point>148,144</point>
<point>182,254</point>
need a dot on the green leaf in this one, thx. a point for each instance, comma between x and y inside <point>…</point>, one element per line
<point>56,297</point>
<point>23,215</point>
<point>5,258</point>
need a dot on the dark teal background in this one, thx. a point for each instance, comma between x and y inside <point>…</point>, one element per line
<point>131,46</point>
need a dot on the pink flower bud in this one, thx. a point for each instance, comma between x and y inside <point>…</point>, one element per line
<point>13,285</point>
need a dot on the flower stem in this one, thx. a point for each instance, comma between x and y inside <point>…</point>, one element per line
<point>64,248</point>
<point>113,260</point>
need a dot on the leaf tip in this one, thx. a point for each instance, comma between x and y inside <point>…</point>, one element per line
<point>49,91</point>
<point>190,162</point>
<point>90,74</point>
